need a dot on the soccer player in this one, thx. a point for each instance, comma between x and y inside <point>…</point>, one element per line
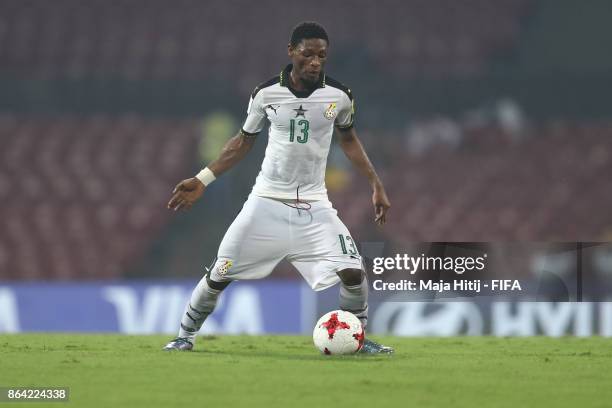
<point>288,214</point>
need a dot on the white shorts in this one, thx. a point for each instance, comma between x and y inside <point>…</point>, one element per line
<point>267,231</point>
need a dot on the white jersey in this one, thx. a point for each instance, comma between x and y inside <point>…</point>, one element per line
<point>301,128</point>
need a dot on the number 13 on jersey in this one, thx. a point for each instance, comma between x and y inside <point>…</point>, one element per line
<point>303,129</point>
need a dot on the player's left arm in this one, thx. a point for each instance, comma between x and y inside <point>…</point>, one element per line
<point>353,149</point>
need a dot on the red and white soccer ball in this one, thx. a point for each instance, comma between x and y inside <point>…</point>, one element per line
<point>338,332</point>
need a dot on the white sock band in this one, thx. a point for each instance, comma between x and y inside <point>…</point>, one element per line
<point>206,176</point>
<point>354,299</point>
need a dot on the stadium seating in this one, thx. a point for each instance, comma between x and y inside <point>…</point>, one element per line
<point>191,39</point>
<point>79,199</point>
<point>83,197</point>
<point>551,186</point>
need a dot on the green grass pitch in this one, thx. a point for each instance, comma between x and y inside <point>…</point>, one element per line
<point>286,371</point>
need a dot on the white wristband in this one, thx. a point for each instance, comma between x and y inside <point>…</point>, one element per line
<point>206,176</point>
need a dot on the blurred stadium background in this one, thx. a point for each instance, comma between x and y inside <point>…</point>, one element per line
<point>488,120</point>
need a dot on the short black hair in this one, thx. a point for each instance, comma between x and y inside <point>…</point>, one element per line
<point>306,30</point>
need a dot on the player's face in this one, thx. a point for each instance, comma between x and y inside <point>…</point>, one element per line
<point>308,58</point>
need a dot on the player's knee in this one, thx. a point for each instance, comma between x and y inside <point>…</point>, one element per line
<point>351,277</point>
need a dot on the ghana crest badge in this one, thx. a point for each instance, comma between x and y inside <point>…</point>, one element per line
<point>330,112</point>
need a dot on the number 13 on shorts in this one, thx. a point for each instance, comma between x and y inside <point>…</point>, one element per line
<point>348,245</point>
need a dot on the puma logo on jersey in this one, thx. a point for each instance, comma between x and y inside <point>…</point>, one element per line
<point>273,108</point>
<point>330,112</point>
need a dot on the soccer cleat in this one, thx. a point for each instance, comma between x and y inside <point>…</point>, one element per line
<point>372,347</point>
<point>179,344</point>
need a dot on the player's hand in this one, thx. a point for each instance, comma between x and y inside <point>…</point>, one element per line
<point>381,205</point>
<point>185,194</point>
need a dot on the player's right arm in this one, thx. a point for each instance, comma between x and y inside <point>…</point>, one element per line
<point>188,191</point>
